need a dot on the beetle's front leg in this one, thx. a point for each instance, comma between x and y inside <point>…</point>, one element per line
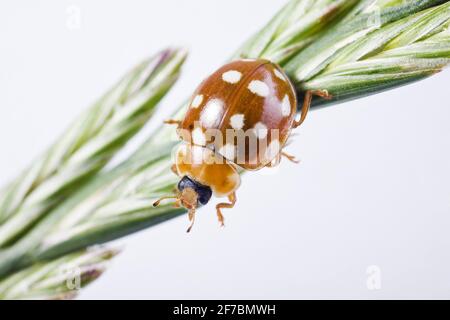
<point>171,121</point>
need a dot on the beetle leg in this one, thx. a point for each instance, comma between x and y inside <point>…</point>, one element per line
<point>191,215</point>
<point>177,204</point>
<point>275,162</point>
<point>171,121</point>
<point>232,199</point>
<point>291,158</point>
<point>173,168</point>
<point>307,104</point>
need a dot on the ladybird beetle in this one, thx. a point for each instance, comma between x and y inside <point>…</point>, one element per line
<point>239,117</point>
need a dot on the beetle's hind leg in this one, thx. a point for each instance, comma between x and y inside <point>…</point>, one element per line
<point>275,162</point>
<point>232,199</point>
<point>307,104</point>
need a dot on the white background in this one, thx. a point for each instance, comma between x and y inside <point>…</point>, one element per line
<point>372,189</point>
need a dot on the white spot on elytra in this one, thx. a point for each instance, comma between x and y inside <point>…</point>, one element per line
<point>279,75</point>
<point>182,150</point>
<point>197,101</point>
<point>260,130</point>
<point>258,87</point>
<point>286,106</point>
<point>237,121</point>
<point>198,137</point>
<point>228,151</point>
<point>212,114</point>
<point>272,150</point>
<point>232,76</point>
<point>197,155</point>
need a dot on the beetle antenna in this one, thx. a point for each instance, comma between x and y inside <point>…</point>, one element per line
<point>157,202</point>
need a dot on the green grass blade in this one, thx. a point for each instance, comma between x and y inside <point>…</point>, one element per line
<point>404,51</point>
<point>296,25</point>
<point>89,144</point>
<point>59,279</point>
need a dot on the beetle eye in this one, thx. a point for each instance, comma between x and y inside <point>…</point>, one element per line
<point>204,194</point>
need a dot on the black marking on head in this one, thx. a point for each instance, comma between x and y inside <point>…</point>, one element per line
<point>204,192</point>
